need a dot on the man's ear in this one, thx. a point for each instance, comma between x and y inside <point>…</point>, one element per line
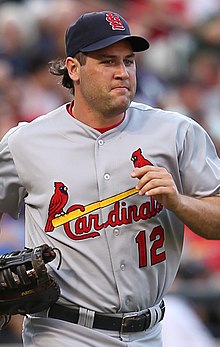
<point>73,67</point>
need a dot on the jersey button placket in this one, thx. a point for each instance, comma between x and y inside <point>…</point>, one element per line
<point>106,175</point>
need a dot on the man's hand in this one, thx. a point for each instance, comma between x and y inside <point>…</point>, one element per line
<point>158,183</point>
<point>201,215</point>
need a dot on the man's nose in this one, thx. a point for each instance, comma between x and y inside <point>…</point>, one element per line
<point>121,71</point>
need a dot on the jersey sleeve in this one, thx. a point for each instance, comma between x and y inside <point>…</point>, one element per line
<point>199,163</point>
<point>12,192</point>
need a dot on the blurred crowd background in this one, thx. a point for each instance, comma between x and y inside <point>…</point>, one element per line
<point>180,72</point>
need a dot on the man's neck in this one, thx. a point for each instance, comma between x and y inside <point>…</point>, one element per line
<point>94,119</point>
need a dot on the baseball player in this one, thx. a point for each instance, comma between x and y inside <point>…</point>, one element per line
<point>111,183</point>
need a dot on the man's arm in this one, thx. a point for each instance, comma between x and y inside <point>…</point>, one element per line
<point>202,215</point>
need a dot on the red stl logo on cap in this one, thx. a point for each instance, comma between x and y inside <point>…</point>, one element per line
<point>114,21</point>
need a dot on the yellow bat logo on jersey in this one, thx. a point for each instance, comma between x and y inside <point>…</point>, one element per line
<point>88,224</point>
<point>68,217</point>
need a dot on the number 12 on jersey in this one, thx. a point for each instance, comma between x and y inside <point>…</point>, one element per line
<point>149,250</point>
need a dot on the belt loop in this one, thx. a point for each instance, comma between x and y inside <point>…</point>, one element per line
<point>122,325</point>
<point>47,312</point>
<point>153,317</point>
<point>86,317</point>
<point>156,314</point>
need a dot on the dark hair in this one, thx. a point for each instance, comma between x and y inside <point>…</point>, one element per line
<point>58,68</point>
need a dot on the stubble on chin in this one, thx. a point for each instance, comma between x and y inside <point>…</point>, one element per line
<point>118,105</point>
<point>116,108</point>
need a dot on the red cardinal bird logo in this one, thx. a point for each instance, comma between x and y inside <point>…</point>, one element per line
<point>138,159</point>
<point>57,203</point>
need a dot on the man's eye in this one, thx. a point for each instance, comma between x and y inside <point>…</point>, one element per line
<point>108,62</point>
<point>128,62</point>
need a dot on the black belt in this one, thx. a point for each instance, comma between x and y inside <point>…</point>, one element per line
<point>129,323</point>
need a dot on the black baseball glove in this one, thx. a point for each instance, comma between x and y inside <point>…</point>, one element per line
<point>25,285</point>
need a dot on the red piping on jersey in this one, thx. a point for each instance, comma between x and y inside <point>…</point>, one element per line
<point>101,130</point>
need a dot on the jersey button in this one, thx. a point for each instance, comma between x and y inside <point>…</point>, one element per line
<point>106,176</point>
<point>116,232</point>
<point>100,142</point>
<point>128,301</point>
<point>122,267</point>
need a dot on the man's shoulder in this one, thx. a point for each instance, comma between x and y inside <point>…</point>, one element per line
<point>50,117</point>
<point>137,108</point>
<point>51,120</point>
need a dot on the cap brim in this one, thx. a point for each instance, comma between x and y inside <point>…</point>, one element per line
<point>138,43</point>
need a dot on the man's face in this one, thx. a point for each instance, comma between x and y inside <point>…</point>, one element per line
<point>107,82</point>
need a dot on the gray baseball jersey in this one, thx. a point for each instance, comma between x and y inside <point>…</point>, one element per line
<point>120,251</point>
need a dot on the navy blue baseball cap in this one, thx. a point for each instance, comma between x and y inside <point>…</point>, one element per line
<point>96,30</point>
